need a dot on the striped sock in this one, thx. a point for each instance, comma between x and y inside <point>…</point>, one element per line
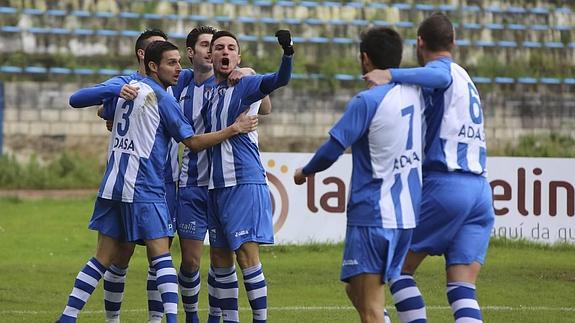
<point>190,288</point>
<point>408,300</point>
<point>214,310</point>
<point>167,283</point>
<point>387,318</point>
<point>257,290</point>
<point>155,305</point>
<point>223,294</point>
<point>84,286</point>
<point>463,301</point>
<point>114,280</point>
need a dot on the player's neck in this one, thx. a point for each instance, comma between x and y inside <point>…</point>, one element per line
<point>437,55</point>
<point>200,77</point>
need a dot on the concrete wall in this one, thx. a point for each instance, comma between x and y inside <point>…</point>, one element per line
<point>38,119</point>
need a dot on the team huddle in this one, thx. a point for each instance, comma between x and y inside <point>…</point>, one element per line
<point>418,182</point>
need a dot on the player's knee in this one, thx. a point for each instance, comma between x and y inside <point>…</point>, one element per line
<point>191,263</point>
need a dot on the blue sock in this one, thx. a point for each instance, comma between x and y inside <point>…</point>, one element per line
<point>167,283</point>
<point>155,305</point>
<point>223,291</point>
<point>408,300</point>
<point>214,310</point>
<point>190,288</point>
<point>114,280</point>
<point>256,288</point>
<point>463,301</point>
<point>84,285</point>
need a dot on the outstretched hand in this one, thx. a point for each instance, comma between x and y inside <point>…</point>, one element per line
<point>129,92</point>
<point>285,41</point>
<point>299,177</point>
<point>377,77</point>
<point>245,123</point>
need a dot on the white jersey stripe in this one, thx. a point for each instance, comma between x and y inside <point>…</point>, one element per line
<point>130,178</point>
<point>111,180</point>
<point>451,154</point>
<point>228,164</point>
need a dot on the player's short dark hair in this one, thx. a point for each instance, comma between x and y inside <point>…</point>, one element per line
<point>383,46</point>
<point>142,41</point>
<point>155,51</point>
<point>437,32</point>
<point>224,33</point>
<point>196,32</point>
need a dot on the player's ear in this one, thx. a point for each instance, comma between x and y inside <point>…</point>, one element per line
<point>153,66</point>
<point>239,59</point>
<point>190,52</point>
<point>420,42</point>
<point>141,53</point>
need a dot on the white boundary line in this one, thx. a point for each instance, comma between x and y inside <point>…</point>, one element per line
<point>487,308</point>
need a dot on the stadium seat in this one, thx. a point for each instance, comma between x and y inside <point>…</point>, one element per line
<point>571,45</point>
<point>516,10</point>
<point>506,43</point>
<point>318,40</point>
<point>292,21</point>
<point>337,22</point>
<point>554,44</point>
<point>248,38</point>
<point>382,23</point>
<point>61,31</point>
<point>471,26</point>
<point>550,80</point>
<point>410,41</point>
<point>32,11</point>
<point>481,80</point>
<point>197,18</point>
<point>353,4</point>
<point>10,29</point>
<point>564,10</point>
<point>331,4</point>
<point>83,32</point>
<point>446,7</point>
<point>269,20</point>
<point>270,39</point>
<point>129,15</point>
<point>35,70</point>
<point>471,9</point>
<point>56,12</point>
<point>104,14</point>
<point>485,43</point>
<point>222,19</point>
<point>378,6</point>
<point>80,13</point>
<point>152,16</point>
<point>298,76</point>
<point>247,20</point>
<point>83,71</point>
<point>39,30</point>
<point>359,22</point>
<point>425,7</point>
<point>8,10</point>
<point>263,3</point>
<point>516,27</point>
<point>401,6</point>
<point>532,44</point>
<point>539,10</point>
<point>346,77</point>
<point>313,21</point>
<point>504,80</point>
<point>494,9</point>
<point>563,28</point>
<point>404,24</point>
<point>176,35</point>
<point>60,70</point>
<point>526,80</point>
<point>342,40</point>
<point>463,42</point>
<point>108,71</point>
<point>494,26</point>
<point>569,81</point>
<point>238,2</point>
<point>539,27</point>
<point>10,69</point>
<point>128,71</point>
<point>285,3</point>
<point>130,33</point>
<point>107,32</point>
<point>216,1</point>
<point>308,4</point>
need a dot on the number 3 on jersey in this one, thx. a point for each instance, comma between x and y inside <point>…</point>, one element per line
<point>124,125</point>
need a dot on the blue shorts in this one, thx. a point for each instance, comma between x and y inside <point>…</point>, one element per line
<point>456,217</point>
<point>192,219</point>
<point>131,222</point>
<point>374,250</point>
<point>172,201</point>
<point>240,214</point>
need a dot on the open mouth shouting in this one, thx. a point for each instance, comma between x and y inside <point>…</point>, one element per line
<point>225,64</point>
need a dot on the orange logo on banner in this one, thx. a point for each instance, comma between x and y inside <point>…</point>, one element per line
<point>281,207</point>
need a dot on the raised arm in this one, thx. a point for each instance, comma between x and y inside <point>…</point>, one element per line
<point>434,75</point>
<point>324,157</point>
<point>271,82</point>
<point>95,95</point>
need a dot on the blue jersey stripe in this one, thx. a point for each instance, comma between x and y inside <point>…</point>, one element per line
<point>462,156</point>
<point>483,158</point>
<point>415,191</point>
<point>396,189</point>
<point>119,185</point>
<point>106,174</point>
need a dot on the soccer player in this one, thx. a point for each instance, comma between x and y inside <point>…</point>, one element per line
<point>131,203</point>
<point>382,126</point>
<point>107,93</point>
<point>239,209</point>
<point>456,211</point>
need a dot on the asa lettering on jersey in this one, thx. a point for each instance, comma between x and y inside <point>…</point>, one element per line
<point>407,159</point>
<point>472,132</point>
<point>122,143</point>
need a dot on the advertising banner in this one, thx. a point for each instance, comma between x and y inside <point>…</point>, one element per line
<point>534,198</point>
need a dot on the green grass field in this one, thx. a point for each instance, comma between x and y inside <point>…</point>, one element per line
<point>44,243</point>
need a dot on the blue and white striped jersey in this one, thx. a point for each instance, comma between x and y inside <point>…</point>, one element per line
<point>171,170</point>
<point>235,160</point>
<point>383,127</point>
<point>140,138</point>
<point>455,136</point>
<point>194,100</point>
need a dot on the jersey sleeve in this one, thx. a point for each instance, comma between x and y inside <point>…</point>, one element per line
<point>96,95</point>
<point>354,122</point>
<point>174,120</point>
<point>184,79</point>
<point>435,75</point>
